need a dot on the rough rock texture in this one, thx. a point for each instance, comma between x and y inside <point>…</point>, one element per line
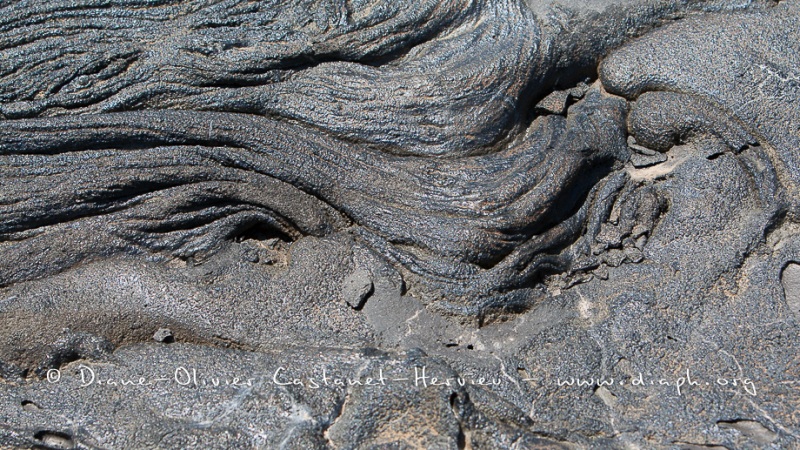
<point>371,224</point>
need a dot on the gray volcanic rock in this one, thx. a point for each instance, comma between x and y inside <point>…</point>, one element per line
<point>369,224</point>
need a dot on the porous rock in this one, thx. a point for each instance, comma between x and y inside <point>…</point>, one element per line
<point>365,233</point>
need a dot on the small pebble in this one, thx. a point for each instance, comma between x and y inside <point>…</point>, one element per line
<point>164,335</point>
<point>356,288</point>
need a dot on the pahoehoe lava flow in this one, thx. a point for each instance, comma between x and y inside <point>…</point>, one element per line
<point>169,127</point>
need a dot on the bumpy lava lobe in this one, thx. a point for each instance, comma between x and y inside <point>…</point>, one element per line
<point>732,76</point>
